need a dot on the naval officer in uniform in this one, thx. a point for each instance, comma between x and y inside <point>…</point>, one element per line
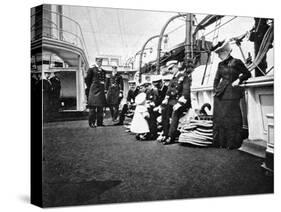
<point>56,90</point>
<point>176,102</point>
<point>115,92</point>
<point>95,81</point>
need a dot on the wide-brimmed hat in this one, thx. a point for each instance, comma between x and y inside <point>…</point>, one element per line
<point>221,46</point>
<point>170,64</point>
<point>140,98</point>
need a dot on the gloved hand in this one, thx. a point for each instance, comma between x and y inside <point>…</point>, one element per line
<point>236,83</point>
<point>176,106</point>
<point>165,101</point>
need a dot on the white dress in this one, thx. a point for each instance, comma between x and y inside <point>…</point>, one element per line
<point>139,123</point>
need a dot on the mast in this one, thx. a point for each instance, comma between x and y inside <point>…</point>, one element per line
<point>188,59</point>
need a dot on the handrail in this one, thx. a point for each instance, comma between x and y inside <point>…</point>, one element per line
<point>143,48</point>
<point>80,29</point>
<point>161,37</point>
<point>36,22</point>
<point>62,31</point>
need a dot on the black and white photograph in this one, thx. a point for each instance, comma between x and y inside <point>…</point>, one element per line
<point>132,105</point>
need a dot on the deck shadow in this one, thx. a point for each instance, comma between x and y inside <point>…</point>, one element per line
<point>75,193</point>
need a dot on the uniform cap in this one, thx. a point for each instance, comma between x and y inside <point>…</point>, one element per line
<point>167,77</point>
<point>98,59</point>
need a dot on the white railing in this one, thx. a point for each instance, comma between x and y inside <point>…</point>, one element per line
<point>47,26</point>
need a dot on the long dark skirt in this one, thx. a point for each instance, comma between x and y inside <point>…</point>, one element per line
<point>227,121</point>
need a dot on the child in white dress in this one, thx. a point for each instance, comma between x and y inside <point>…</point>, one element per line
<point>139,123</point>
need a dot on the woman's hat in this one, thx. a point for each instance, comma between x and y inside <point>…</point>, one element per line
<point>140,98</point>
<point>223,45</point>
<point>170,64</point>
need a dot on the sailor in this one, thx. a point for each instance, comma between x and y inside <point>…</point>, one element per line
<point>56,89</point>
<point>45,87</point>
<point>130,103</point>
<point>33,81</point>
<point>176,102</point>
<point>35,97</point>
<point>165,83</point>
<point>157,85</point>
<point>115,92</point>
<point>227,117</point>
<point>152,98</point>
<point>95,81</point>
<point>37,87</point>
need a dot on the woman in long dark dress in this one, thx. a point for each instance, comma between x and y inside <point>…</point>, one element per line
<point>227,117</point>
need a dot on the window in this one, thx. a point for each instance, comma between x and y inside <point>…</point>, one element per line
<point>114,62</point>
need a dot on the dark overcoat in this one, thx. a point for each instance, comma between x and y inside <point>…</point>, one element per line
<point>95,81</point>
<point>56,85</point>
<point>115,87</point>
<point>44,89</point>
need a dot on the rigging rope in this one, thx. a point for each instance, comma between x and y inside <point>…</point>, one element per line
<point>221,25</point>
<point>175,29</point>
<point>264,47</point>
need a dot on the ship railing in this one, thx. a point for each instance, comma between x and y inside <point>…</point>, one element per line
<point>69,31</point>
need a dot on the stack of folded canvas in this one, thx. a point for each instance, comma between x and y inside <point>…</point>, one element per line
<point>197,132</point>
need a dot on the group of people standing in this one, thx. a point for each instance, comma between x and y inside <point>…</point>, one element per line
<point>47,85</point>
<point>168,97</point>
<point>102,92</point>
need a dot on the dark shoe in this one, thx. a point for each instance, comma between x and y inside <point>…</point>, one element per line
<point>118,124</point>
<point>92,125</point>
<point>100,125</point>
<point>168,141</point>
<point>143,138</point>
<point>162,140</point>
